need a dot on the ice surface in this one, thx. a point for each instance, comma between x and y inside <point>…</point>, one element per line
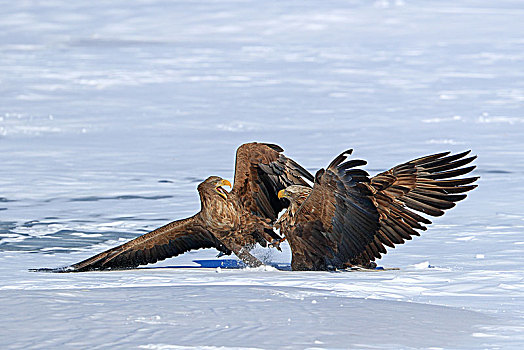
<point>112,112</point>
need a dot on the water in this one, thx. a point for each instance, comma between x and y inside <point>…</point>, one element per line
<point>111,114</point>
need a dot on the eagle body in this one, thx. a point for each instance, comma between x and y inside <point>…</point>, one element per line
<point>287,223</point>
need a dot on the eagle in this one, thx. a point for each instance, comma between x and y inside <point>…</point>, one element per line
<point>344,218</point>
<point>231,222</point>
<point>348,218</point>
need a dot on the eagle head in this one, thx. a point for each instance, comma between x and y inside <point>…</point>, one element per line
<point>296,194</point>
<point>214,184</point>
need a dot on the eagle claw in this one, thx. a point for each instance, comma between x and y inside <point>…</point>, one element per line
<point>275,243</point>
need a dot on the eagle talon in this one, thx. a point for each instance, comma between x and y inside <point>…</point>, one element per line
<point>276,243</point>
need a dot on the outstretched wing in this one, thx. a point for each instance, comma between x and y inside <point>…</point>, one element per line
<point>261,171</point>
<point>167,241</point>
<point>338,219</point>
<point>426,185</point>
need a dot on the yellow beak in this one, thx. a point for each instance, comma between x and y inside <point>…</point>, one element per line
<point>281,193</point>
<point>224,182</point>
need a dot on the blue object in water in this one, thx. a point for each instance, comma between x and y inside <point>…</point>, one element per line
<point>236,264</point>
<point>223,263</point>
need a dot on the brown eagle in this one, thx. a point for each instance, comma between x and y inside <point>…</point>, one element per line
<point>231,222</point>
<point>348,218</point>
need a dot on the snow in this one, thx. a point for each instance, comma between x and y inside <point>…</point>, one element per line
<point>112,113</point>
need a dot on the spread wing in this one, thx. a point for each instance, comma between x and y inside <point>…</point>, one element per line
<point>426,185</point>
<point>261,171</point>
<point>167,241</point>
<point>337,221</point>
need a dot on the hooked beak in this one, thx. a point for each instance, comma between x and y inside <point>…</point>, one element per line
<point>281,194</point>
<point>220,190</point>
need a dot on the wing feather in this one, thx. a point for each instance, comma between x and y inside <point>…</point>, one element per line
<point>424,185</point>
<point>261,171</point>
<point>167,241</point>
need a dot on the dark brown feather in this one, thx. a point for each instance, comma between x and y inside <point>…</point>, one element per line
<point>167,241</point>
<point>260,172</point>
<point>423,185</point>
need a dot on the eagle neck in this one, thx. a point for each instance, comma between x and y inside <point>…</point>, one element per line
<point>218,213</point>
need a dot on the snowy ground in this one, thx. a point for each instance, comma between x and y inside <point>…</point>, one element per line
<point>110,114</point>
